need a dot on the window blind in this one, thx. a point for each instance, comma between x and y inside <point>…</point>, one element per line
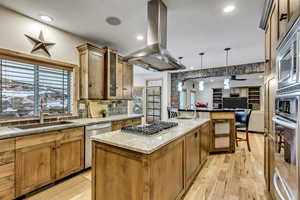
<point>23,85</point>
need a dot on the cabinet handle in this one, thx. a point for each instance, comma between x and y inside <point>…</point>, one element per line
<point>196,134</point>
<point>283,16</point>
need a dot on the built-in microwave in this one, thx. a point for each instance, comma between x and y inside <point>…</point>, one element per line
<point>288,58</point>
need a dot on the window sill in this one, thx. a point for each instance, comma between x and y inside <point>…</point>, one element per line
<point>16,120</point>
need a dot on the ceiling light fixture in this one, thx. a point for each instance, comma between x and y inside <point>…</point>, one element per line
<point>140,37</point>
<point>229,8</point>
<point>46,18</point>
<point>227,79</point>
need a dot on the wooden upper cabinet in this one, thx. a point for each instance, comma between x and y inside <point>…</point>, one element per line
<point>70,152</point>
<point>119,78</point>
<point>127,80</point>
<point>283,16</point>
<point>91,72</point>
<point>294,9</point>
<point>111,69</point>
<point>35,162</point>
<point>274,36</point>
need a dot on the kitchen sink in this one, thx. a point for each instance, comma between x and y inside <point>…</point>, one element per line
<point>184,117</point>
<point>39,125</point>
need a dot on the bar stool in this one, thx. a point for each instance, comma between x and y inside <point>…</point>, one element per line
<point>242,123</point>
<point>172,112</point>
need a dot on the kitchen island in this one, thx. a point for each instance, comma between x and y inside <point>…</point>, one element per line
<point>223,127</point>
<point>159,167</point>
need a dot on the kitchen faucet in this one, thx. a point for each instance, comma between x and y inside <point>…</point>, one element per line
<point>42,113</point>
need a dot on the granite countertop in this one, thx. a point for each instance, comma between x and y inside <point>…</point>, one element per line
<point>149,144</point>
<point>212,110</point>
<point>9,132</point>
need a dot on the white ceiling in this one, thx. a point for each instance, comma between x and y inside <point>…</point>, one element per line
<point>193,26</point>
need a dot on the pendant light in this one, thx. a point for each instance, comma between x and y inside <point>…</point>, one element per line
<point>180,83</point>
<point>201,82</point>
<point>227,79</point>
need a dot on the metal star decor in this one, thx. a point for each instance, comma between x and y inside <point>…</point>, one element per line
<point>40,43</point>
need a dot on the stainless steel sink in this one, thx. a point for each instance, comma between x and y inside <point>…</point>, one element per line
<point>39,125</point>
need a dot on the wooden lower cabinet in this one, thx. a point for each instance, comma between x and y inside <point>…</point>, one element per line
<point>166,174</point>
<point>205,133</point>
<point>272,166</point>
<point>117,125</point>
<point>7,169</point>
<point>192,154</point>
<point>43,158</point>
<point>70,152</point>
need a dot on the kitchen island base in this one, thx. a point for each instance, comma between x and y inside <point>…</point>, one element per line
<point>165,174</point>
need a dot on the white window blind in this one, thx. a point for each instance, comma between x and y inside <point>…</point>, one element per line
<point>22,86</point>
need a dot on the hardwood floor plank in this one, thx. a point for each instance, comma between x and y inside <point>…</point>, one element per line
<point>237,176</point>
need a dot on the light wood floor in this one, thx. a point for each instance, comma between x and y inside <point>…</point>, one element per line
<point>238,176</point>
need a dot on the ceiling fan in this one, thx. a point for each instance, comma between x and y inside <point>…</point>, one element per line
<point>234,78</point>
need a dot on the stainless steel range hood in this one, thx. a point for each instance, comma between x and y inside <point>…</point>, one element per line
<point>155,55</point>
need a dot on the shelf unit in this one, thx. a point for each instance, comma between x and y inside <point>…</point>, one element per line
<point>217,97</point>
<point>153,108</point>
<point>254,98</point>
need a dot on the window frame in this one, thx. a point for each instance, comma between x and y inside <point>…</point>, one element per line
<point>6,54</point>
<point>186,98</point>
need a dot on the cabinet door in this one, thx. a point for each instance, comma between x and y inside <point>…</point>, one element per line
<point>119,80</point>
<point>283,16</point>
<point>96,75</point>
<point>111,74</point>
<point>192,153</point>
<point>294,7</point>
<point>35,162</point>
<point>127,80</point>
<point>272,95</point>
<point>274,35</point>
<point>70,152</point>
<point>205,141</point>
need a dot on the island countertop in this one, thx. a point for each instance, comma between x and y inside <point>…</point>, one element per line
<point>149,144</point>
<point>211,110</point>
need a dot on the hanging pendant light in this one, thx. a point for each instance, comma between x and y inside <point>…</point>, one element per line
<point>201,82</point>
<point>180,83</point>
<point>227,79</point>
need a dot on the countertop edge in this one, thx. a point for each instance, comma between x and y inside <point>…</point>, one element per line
<point>14,132</point>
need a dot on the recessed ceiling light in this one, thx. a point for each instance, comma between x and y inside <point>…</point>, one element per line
<point>114,21</point>
<point>46,18</point>
<point>229,8</point>
<point>140,37</point>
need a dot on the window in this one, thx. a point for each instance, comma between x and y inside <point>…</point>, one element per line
<point>22,86</point>
<point>193,99</point>
<point>182,99</point>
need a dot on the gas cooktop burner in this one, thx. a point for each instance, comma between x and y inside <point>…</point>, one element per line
<point>150,129</point>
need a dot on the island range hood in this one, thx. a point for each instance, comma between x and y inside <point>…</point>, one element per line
<point>155,55</point>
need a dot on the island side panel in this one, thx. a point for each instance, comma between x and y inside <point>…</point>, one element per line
<point>168,172</point>
<point>119,174</point>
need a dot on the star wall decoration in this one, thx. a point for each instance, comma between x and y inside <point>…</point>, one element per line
<point>40,43</point>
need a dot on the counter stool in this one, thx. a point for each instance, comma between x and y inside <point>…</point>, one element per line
<point>242,123</point>
<point>172,112</point>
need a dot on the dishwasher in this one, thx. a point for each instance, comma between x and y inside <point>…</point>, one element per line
<point>90,131</point>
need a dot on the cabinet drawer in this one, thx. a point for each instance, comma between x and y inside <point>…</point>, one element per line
<point>7,170</point>
<point>127,122</point>
<point>7,145</point>
<point>117,125</point>
<point>7,194</point>
<point>70,134</point>
<point>7,183</point>
<point>136,121</point>
<point>32,140</point>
